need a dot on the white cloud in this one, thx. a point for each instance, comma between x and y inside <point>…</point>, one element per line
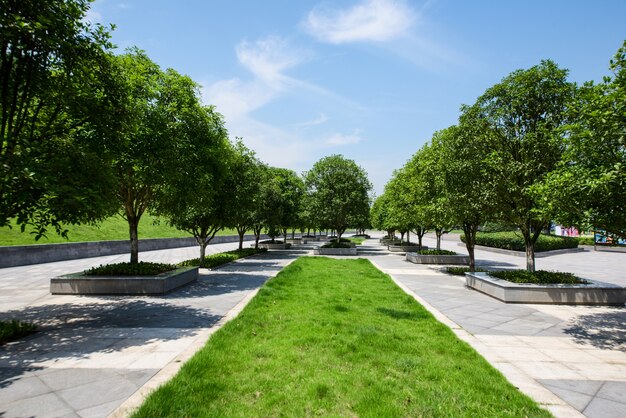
<point>93,16</point>
<point>338,139</point>
<point>321,119</point>
<point>235,98</point>
<point>370,20</point>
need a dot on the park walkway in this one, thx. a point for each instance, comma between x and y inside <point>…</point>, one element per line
<point>571,359</point>
<point>97,356</point>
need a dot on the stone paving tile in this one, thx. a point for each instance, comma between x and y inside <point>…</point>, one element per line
<point>93,353</point>
<point>47,405</point>
<point>572,350</point>
<point>603,408</point>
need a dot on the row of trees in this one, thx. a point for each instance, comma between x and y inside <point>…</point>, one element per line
<point>532,149</point>
<point>87,134</point>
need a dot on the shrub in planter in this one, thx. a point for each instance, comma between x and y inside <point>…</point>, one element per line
<point>269,241</point>
<point>436,252</point>
<point>218,259</point>
<point>514,241</point>
<point>12,330</point>
<point>538,277</point>
<point>130,269</point>
<point>335,244</point>
<point>460,271</point>
<point>586,240</point>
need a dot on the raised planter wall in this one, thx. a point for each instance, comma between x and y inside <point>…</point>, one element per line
<point>405,248</point>
<point>22,255</point>
<point>78,284</point>
<point>335,251</point>
<point>595,293</point>
<point>539,254</point>
<point>437,259</point>
<point>274,246</point>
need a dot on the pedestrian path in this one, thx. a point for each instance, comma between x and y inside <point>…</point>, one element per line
<point>571,359</point>
<point>94,356</point>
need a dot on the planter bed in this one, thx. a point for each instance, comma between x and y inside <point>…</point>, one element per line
<point>539,254</point>
<point>594,293</point>
<point>275,246</point>
<point>79,284</point>
<point>416,258</point>
<point>405,248</point>
<point>335,251</point>
<point>294,241</point>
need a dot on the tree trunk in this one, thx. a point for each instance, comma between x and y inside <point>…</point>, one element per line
<point>469,230</point>
<point>293,233</point>
<point>408,237</point>
<point>257,235</point>
<point>530,254</point>
<point>133,223</point>
<point>438,232</point>
<point>241,232</point>
<point>401,236</point>
<point>203,245</point>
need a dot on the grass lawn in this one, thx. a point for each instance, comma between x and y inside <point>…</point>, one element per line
<point>12,330</point>
<point>113,228</point>
<point>336,337</point>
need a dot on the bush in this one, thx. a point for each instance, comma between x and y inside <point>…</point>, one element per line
<point>586,240</point>
<point>12,330</point>
<point>335,244</point>
<point>218,259</point>
<point>538,277</point>
<point>514,241</point>
<point>460,271</point>
<point>436,252</point>
<point>128,269</point>
<point>269,241</point>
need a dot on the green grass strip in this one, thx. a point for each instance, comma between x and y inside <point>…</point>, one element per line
<point>336,338</point>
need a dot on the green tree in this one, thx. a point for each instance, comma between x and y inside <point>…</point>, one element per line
<point>339,191</point>
<point>245,172</point>
<point>589,186</point>
<point>196,195</point>
<point>156,108</point>
<point>283,196</point>
<point>379,215</point>
<point>467,192</point>
<point>56,100</point>
<point>521,120</point>
<point>430,190</point>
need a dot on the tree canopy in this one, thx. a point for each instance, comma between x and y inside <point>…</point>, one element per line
<point>339,193</point>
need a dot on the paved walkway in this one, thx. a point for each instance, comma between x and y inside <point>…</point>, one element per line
<point>93,353</point>
<point>97,356</point>
<point>572,359</point>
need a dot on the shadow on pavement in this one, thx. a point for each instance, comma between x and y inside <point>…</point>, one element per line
<point>605,330</point>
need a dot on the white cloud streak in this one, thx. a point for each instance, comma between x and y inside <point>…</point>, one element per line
<point>368,21</point>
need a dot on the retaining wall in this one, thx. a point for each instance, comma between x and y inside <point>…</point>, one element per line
<point>21,255</point>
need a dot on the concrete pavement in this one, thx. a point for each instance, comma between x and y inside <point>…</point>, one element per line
<point>571,359</point>
<point>92,354</point>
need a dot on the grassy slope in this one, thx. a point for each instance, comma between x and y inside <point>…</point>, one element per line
<point>336,337</point>
<point>114,228</point>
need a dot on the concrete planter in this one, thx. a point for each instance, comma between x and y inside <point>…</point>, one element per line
<point>437,259</point>
<point>275,246</point>
<point>294,241</point>
<point>335,251</point>
<point>595,293</point>
<point>405,248</point>
<point>539,254</point>
<point>79,284</point>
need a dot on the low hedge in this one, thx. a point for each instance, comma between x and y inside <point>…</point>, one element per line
<point>436,252</point>
<point>129,269</point>
<point>514,241</point>
<point>335,244</point>
<point>218,259</point>
<point>460,271</point>
<point>538,277</point>
<point>12,330</point>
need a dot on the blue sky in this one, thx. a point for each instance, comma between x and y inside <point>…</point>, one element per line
<point>369,79</point>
